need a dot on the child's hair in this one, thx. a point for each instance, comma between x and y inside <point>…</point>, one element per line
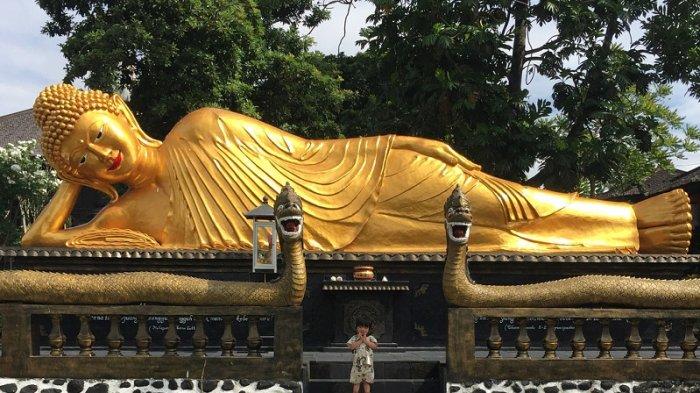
<point>363,323</point>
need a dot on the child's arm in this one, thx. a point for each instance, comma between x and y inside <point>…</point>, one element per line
<point>371,342</point>
<point>353,345</point>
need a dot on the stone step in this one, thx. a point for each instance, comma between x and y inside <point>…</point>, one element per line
<point>379,386</point>
<point>383,370</point>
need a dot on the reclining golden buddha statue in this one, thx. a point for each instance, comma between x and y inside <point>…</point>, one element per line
<point>370,194</point>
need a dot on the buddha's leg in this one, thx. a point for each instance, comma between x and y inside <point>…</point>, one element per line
<point>661,224</point>
<point>409,216</point>
<point>582,225</point>
<point>409,213</point>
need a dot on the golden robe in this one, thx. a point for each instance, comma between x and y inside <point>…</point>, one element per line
<point>364,194</point>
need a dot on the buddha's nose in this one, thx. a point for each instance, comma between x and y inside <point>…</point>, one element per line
<point>103,153</point>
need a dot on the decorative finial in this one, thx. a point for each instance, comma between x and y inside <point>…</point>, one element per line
<point>265,201</point>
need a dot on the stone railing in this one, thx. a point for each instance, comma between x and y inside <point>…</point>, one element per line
<point>572,355</point>
<point>81,341</point>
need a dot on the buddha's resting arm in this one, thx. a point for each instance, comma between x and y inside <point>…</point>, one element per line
<point>48,229</point>
<point>53,217</point>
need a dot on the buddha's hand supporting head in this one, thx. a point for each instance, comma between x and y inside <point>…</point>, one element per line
<point>89,137</point>
<point>458,217</point>
<point>288,214</point>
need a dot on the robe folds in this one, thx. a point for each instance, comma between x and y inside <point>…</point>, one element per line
<point>367,194</point>
<point>224,163</point>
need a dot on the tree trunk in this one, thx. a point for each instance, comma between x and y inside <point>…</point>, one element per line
<point>515,79</point>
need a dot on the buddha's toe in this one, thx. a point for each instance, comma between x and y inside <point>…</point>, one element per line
<point>673,239</point>
<point>667,209</point>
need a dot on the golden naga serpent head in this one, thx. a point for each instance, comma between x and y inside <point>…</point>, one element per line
<point>90,137</point>
<point>288,214</point>
<point>458,217</point>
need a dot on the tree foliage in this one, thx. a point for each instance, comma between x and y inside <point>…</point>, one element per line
<point>438,69</point>
<point>658,135</point>
<point>177,56</point>
<point>595,73</point>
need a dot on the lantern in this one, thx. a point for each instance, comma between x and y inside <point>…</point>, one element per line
<point>264,237</point>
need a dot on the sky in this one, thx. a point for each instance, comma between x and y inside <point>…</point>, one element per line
<point>32,60</point>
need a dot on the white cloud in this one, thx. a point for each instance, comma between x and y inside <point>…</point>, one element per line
<point>328,34</point>
<point>30,59</point>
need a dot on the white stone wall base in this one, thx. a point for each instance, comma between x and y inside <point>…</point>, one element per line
<point>58,385</point>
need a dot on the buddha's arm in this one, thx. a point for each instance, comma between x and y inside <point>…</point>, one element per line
<point>435,149</point>
<point>47,230</point>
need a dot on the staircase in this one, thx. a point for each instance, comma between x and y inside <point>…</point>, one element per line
<point>390,376</point>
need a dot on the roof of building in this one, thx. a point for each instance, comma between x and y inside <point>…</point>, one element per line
<point>692,176</point>
<point>660,181</point>
<point>18,126</point>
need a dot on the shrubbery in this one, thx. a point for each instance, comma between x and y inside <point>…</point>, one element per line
<point>27,184</point>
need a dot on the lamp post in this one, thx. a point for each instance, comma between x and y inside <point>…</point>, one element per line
<point>264,231</point>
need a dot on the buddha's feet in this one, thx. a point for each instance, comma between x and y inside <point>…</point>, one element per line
<point>664,223</point>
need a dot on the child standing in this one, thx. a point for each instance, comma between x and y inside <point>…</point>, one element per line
<point>362,344</point>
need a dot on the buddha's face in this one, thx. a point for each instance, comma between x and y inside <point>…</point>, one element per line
<point>102,147</point>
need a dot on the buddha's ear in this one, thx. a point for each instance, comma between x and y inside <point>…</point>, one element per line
<point>125,111</point>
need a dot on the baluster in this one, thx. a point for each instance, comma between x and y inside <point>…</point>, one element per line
<point>605,342</point>
<point>661,340</point>
<point>228,341</point>
<point>114,338</point>
<point>578,342</point>
<point>171,339</point>
<point>494,341</point>
<point>56,338</point>
<point>550,340</point>
<point>634,341</point>
<point>85,337</point>
<point>522,343</point>
<point>690,342</point>
<point>254,342</point>
<point>143,339</point>
<point>199,339</point>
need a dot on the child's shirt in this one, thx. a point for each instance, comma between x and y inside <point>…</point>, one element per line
<point>363,356</point>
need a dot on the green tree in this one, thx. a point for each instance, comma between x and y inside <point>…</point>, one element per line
<point>27,186</point>
<point>177,56</point>
<point>454,71</point>
<point>658,135</point>
<point>672,36</point>
<point>595,70</point>
<point>438,69</point>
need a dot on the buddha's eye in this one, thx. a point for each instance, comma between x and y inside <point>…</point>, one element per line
<point>82,159</point>
<point>100,133</point>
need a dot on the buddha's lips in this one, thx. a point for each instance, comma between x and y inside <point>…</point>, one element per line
<point>117,162</point>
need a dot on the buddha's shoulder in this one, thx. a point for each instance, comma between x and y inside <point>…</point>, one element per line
<point>207,123</point>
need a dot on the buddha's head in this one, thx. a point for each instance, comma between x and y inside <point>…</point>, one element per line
<point>90,137</point>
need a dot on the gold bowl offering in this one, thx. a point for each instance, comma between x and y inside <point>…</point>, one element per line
<point>363,273</point>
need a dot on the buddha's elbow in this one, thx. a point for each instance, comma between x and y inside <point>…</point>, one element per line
<point>33,238</point>
<point>29,240</point>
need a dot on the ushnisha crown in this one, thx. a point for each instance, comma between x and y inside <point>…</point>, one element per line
<point>56,110</point>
